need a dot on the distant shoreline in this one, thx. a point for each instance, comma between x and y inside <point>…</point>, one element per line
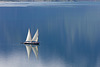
<point>48,0</point>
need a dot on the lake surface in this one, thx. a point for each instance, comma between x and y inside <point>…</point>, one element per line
<point>69,34</point>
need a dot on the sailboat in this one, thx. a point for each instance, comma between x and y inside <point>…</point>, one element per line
<point>32,43</point>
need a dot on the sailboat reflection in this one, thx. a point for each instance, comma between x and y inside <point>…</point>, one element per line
<point>32,43</point>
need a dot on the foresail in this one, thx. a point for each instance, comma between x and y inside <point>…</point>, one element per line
<point>28,36</point>
<point>28,48</point>
<point>35,38</point>
<point>35,50</point>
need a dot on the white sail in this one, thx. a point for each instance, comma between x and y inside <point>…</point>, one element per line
<point>35,38</point>
<point>35,50</point>
<point>28,36</point>
<point>28,48</point>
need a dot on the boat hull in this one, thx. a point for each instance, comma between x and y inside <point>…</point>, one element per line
<point>32,43</point>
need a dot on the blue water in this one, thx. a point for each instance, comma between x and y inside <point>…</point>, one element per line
<point>69,32</point>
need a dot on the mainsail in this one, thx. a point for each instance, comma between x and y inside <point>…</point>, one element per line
<point>28,36</point>
<point>35,38</point>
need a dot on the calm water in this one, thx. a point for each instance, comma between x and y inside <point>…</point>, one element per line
<point>69,34</point>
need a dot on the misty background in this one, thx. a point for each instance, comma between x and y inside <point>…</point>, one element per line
<point>68,34</point>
